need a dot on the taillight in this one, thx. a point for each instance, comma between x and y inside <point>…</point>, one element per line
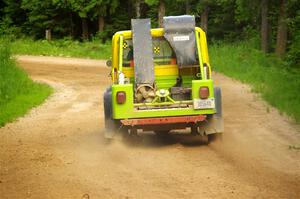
<point>121,97</point>
<point>203,92</point>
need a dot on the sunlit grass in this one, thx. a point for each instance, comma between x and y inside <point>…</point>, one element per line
<point>61,47</point>
<point>278,84</point>
<point>18,93</point>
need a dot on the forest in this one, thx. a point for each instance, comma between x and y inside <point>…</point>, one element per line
<point>273,24</point>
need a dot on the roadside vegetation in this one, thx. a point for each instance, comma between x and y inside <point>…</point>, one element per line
<point>18,93</point>
<point>61,47</point>
<point>276,81</point>
<point>268,75</point>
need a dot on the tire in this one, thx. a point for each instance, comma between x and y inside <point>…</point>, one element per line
<point>218,100</point>
<point>162,133</point>
<point>214,137</point>
<point>107,102</point>
<point>111,125</point>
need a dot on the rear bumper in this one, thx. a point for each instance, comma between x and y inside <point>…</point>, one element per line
<point>130,109</point>
<point>163,120</point>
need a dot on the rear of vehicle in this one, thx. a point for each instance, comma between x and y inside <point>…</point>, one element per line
<point>162,80</point>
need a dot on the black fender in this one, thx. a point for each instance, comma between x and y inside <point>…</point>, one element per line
<point>109,122</point>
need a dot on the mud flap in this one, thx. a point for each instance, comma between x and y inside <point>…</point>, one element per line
<point>211,125</point>
<point>214,123</point>
<point>114,135</point>
<point>109,133</point>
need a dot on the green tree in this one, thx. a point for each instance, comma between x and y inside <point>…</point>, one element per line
<point>293,21</point>
<point>99,9</point>
<point>50,18</point>
<point>9,23</point>
<point>264,26</point>
<point>161,9</point>
<point>281,30</point>
<point>202,8</point>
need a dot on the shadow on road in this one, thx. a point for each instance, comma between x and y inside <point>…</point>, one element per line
<point>150,140</point>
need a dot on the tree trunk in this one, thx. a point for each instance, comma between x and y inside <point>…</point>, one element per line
<point>138,8</point>
<point>204,19</point>
<point>48,34</point>
<point>101,23</point>
<point>85,30</point>
<point>161,12</point>
<point>187,7</point>
<point>71,25</point>
<point>264,26</point>
<point>281,31</point>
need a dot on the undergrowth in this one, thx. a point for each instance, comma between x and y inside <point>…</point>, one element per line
<point>61,47</point>
<point>18,93</point>
<point>277,83</point>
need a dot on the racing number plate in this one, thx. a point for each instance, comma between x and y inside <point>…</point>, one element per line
<point>204,103</point>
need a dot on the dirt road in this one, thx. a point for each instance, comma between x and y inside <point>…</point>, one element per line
<point>57,150</point>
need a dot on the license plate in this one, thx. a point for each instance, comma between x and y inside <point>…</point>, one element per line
<point>204,103</point>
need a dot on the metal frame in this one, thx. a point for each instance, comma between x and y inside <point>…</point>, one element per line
<point>120,53</point>
<point>129,108</point>
<point>163,120</point>
<point>158,32</point>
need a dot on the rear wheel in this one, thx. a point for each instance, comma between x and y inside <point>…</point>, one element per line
<point>111,125</point>
<point>218,99</point>
<point>197,137</point>
<point>214,137</point>
<point>162,133</point>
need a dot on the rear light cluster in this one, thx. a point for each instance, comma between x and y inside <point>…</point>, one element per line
<point>203,92</point>
<point>121,97</point>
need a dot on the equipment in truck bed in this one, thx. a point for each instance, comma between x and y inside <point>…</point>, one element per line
<point>180,33</point>
<point>142,48</point>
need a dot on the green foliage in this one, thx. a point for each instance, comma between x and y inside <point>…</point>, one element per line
<point>10,25</point>
<point>17,92</point>
<point>229,20</point>
<point>278,85</point>
<point>92,8</point>
<point>293,55</point>
<point>62,47</point>
<point>38,21</point>
<point>247,11</point>
<point>152,2</point>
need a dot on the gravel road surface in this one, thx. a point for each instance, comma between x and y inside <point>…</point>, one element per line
<point>58,151</point>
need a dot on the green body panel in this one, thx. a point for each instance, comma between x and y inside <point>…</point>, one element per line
<point>187,81</point>
<point>122,110</point>
<point>126,110</point>
<point>167,81</point>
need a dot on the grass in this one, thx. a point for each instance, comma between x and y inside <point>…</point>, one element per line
<point>18,93</point>
<point>62,48</point>
<point>278,84</point>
